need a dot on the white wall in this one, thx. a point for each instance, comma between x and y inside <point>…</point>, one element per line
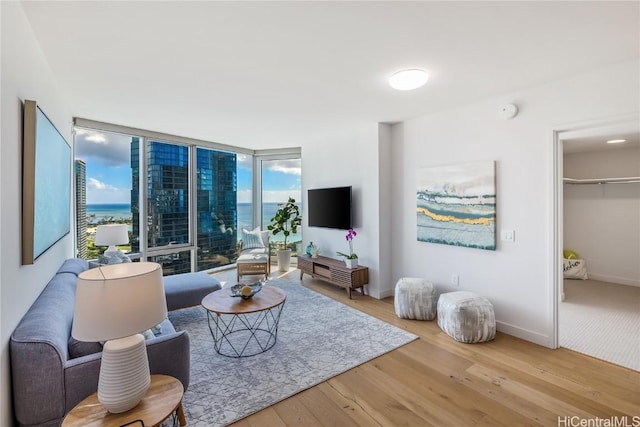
<point>25,75</point>
<point>351,157</point>
<point>602,222</point>
<point>385,212</point>
<point>515,277</point>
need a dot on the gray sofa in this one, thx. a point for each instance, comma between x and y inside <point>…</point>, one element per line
<point>52,372</point>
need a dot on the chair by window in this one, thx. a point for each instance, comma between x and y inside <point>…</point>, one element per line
<point>254,255</point>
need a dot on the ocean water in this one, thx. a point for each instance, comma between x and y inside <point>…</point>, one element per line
<point>268,212</point>
<point>114,211</point>
<point>122,211</point>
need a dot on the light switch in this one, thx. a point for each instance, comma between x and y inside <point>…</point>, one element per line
<point>508,235</point>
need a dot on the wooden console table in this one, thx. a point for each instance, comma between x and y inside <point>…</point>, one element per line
<point>334,271</point>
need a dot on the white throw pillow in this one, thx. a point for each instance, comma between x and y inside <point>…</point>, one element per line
<point>575,269</point>
<point>252,239</point>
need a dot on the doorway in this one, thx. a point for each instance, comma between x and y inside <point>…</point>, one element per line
<point>598,239</point>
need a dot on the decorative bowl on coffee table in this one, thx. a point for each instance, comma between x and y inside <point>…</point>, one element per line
<point>237,290</point>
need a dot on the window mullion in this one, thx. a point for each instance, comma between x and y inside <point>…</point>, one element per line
<point>193,217</point>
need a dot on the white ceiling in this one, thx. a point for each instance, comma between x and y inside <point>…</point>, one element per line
<point>595,138</point>
<point>272,74</point>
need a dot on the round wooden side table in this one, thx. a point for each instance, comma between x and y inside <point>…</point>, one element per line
<point>163,398</point>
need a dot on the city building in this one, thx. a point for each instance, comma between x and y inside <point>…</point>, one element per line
<point>81,208</point>
<point>168,209</point>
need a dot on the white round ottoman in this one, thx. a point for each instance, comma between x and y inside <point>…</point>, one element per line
<point>415,299</point>
<point>466,317</point>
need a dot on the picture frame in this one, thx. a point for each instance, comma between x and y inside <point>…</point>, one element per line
<point>46,184</point>
<point>456,205</point>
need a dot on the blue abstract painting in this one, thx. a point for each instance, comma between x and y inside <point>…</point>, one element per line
<point>52,198</point>
<point>456,205</point>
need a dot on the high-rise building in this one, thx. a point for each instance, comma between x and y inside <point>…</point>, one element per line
<point>81,208</point>
<point>216,206</point>
<point>168,216</point>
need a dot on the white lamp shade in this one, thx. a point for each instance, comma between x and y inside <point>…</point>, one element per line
<point>112,234</point>
<point>119,300</point>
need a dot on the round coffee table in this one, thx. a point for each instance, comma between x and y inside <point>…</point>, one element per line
<point>242,328</point>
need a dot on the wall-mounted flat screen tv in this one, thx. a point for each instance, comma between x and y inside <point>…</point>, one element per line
<point>330,207</point>
<point>46,184</point>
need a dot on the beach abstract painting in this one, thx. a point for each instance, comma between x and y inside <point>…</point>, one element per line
<point>456,205</point>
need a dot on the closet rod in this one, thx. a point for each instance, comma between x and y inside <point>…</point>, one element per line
<point>626,180</point>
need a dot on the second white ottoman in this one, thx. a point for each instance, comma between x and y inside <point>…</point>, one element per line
<point>466,317</point>
<point>415,298</point>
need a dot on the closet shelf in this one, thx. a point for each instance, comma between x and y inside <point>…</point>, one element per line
<point>627,180</point>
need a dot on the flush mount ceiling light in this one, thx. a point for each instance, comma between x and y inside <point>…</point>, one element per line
<point>408,79</point>
<point>616,141</point>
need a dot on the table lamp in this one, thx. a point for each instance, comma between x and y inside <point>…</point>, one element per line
<point>115,303</point>
<point>111,235</point>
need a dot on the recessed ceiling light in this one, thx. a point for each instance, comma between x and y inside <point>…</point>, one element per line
<point>616,141</point>
<point>408,79</point>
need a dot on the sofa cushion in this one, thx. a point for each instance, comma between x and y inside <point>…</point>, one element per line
<point>252,239</point>
<point>79,348</point>
<point>252,258</point>
<point>166,328</point>
<point>254,252</point>
<point>188,289</point>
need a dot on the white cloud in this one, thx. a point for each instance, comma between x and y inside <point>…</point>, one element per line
<point>244,161</point>
<point>106,148</point>
<point>100,192</point>
<point>94,184</point>
<point>290,166</point>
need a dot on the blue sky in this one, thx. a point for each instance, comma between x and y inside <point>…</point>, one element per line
<point>107,156</point>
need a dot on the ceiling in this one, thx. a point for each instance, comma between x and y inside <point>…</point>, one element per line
<point>595,138</point>
<point>274,74</point>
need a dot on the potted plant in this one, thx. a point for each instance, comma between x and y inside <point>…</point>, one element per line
<point>350,260</point>
<point>286,221</point>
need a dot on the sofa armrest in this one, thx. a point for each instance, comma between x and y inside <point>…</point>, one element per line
<point>36,373</point>
<point>81,378</point>
<point>170,355</point>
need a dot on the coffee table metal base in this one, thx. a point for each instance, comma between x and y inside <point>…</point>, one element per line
<point>244,334</point>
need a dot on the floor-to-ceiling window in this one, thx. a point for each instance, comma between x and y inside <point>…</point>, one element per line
<point>184,201</point>
<point>103,186</point>
<point>245,193</point>
<point>280,178</point>
<point>216,207</point>
<point>167,220</point>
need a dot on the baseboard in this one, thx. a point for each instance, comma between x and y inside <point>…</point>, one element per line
<point>614,279</point>
<point>525,334</point>
<point>386,293</point>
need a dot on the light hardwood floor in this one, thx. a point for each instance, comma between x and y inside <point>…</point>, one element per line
<point>436,381</point>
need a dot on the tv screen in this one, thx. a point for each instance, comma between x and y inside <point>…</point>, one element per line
<point>330,207</point>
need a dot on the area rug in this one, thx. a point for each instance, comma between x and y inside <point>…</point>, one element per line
<point>318,338</point>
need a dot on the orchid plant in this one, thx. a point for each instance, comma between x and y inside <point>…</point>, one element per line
<point>350,235</point>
